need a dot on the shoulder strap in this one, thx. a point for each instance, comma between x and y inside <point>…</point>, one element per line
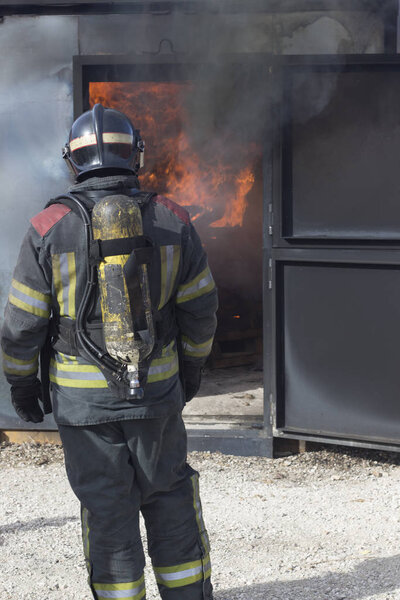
<point>71,201</point>
<point>143,198</point>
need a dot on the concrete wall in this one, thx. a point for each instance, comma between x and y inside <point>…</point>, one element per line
<point>36,83</point>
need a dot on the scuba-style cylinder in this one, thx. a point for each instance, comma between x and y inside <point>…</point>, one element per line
<point>123,283</point>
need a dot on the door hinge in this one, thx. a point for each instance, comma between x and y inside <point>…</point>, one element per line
<point>270,220</point>
<point>270,273</point>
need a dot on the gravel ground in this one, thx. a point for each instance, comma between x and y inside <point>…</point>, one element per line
<point>316,526</point>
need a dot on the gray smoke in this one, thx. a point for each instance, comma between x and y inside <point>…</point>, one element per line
<point>35,116</point>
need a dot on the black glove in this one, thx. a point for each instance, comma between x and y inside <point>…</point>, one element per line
<point>25,401</point>
<point>191,375</point>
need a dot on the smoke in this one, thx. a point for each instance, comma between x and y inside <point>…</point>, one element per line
<point>232,103</point>
<point>35,116</point>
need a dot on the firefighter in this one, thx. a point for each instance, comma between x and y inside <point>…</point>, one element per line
<point>113,292</point>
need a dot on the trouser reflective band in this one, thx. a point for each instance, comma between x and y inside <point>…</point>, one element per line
<point>134,590</point>
<point>199,513</point>
<point>184,574</point>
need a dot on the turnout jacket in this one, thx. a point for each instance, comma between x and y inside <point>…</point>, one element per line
<point>48,283</point>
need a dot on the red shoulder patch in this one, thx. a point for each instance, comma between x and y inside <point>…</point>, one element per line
<point>45,220</point>
<point>179,211</point>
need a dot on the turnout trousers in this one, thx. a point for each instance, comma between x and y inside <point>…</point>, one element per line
<point>122,468</point>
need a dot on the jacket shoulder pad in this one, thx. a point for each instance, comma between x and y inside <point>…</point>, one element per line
<point>46,219</point>
<point>179,211</point>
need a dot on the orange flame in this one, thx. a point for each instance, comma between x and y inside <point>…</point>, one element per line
<point>207,185</point>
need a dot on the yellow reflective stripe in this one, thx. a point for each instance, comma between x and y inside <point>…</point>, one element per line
<point>76,375</point>
<point>18,366</point>
<point>55,259</point>
<point>133,590</point>
<point>164,370</point>
<point>178,568</point>
<point>196,350</point>
<point>165,367</point>
<point>72,284</point>
<point>66,359</point>
<point>170,257</point>
<point>78,383</point>
<point>10,371</point>
<point>119,586</point>
<point>20,361</point>
<point>74,367</point>
<point>31,292</point>
<point>64,277</point>
<point>180,575</point>
<point>85,537</point>
<point>33,310</point>
<point>202,284</point>
<point>199,513</point>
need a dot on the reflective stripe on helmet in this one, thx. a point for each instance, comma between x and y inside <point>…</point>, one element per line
<point>108,138</point>
<point>202,284</point>
<point>64,274</point>
<point>133,590</point>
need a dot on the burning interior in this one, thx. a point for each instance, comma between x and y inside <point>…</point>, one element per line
<point>218,179</point>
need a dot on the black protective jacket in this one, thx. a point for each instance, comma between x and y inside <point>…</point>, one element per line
<point>48,283</point>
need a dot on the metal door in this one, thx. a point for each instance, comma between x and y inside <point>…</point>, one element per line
<point>333,259</point>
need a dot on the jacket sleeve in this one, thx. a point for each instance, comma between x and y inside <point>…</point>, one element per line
<point>27,313</point>
<point>196,302</point>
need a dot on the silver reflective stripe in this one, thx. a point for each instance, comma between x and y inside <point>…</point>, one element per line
<point>164,368</point>
<point>130,593</point>
<point>170,257</point>
<point>180,574</point>
<point>200,349</point>
<point>169,265</point>
<point>16,367</point>
<point>65,281</point>
<point>194,290</point>
<point>199,513</point>
<point>29,300</point>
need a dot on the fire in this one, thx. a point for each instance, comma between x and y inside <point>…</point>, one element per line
<point>205,183</point>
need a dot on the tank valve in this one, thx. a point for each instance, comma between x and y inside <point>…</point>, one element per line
<point>135,391</point>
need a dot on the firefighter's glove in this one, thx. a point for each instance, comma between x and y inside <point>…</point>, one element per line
<point>25,400</point>
<point>191,379</point>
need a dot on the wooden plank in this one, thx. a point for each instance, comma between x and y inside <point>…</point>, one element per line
<point>37,437</point>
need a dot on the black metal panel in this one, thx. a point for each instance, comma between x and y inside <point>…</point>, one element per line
<point>340,153</point>
<point>339,351</point>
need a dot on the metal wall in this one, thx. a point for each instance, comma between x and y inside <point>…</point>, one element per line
<point>36,82</point>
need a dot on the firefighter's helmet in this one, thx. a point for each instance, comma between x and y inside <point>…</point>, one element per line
<point>103,139</point>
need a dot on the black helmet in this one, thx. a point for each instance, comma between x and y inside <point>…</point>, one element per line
<point>103,138</point>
